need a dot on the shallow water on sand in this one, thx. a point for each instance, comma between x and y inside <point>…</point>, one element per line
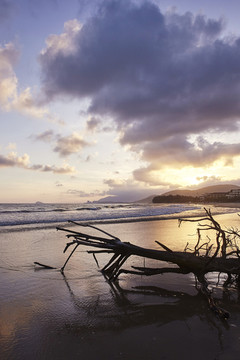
<point>45,315</point>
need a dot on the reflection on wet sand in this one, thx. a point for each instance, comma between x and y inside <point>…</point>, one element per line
<point>47,316</point>
<point>170,305</point>
<point>126,319</point>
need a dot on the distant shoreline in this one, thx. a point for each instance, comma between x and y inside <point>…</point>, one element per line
<point>212,203</point>
<point>226,204</point>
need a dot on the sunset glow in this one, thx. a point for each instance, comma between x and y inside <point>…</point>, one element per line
<point>117,98</point>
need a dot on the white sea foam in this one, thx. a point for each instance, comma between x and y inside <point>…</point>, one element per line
<point>12,215</point>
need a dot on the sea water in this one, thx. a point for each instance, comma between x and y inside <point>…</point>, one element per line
<point>35,214</point>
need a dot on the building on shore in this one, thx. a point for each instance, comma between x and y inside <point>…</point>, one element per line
<point>232,195</point>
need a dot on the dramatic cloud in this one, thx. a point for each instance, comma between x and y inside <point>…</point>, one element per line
<point>210,179</point>
<point>63,44</point>
<point>65,169</point>
<point>71,144</point>
<point>93,123</point>
<point>178,152</point>
<point>12,160</point>
<point>25,103</point>
<point>64,145</point>
<point>161,77</point>
<point>10,97</point>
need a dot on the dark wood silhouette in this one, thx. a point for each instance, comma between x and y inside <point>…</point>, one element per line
<point>221,255</point>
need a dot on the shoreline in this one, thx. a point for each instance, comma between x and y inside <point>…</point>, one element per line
<point>227,205</point>
<point>199,212</point>
<point>146,219</point>
<point>81,315</point>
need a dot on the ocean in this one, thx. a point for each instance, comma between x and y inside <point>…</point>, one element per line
<point>13,216</point>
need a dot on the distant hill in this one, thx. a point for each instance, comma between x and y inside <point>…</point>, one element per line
<point>146,200</point>
<point>193,193</point>
<point>201,191</point>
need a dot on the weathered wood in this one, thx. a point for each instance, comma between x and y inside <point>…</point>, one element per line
<point>225,259</point>
<point>43,265</point>
<point>185,260</point>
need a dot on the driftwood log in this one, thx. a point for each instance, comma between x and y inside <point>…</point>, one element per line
<point>221,255</point>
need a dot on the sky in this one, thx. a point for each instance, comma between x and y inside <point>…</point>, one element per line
<point>120,98</point>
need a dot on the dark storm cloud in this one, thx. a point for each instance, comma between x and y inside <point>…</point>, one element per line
<point>159,77</point>
<point>177,151</point>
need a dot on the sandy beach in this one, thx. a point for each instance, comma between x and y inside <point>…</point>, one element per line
<point>45,315</point>
<point>123,116</point>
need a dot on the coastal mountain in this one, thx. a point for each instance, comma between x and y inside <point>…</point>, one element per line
<point>186,192</point>
<point>202,191</point>
<point>146,200</point>
<point>195,193</point>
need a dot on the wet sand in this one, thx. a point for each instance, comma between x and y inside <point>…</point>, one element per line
<point>229,205</point>
<point>45,315</point>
